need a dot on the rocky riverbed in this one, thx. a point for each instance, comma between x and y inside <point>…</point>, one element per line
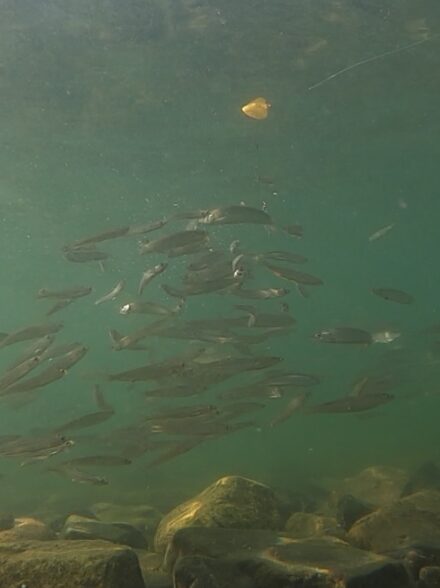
<point>379,528</point>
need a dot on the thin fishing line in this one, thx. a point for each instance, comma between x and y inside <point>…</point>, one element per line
<point>368,60</point>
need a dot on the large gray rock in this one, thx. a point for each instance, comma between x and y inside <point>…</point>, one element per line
<point>343,564</point>
<point>409,521</point>
<point>65,564</point>
<point>221,558</point>
<point>218,543</point>
<point>232,502</point>
<point>77,527</point>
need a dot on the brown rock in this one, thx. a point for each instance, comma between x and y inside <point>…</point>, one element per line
<point>232,502</point>
<point>409,521</point>
<point>27,529</point>
<point>68,564</point>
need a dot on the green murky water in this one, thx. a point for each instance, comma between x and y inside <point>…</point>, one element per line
<point>124,113</point>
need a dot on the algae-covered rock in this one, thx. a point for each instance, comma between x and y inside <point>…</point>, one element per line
<point>232,501</point>
<point>409,521</point>
<point>66,564</point>
<point>77,527</point>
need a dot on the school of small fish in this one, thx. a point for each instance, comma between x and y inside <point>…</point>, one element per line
<point>213,353</point>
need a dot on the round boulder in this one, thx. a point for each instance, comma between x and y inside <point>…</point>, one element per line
<point>232,502</point>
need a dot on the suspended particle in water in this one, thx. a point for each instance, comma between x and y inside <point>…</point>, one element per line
<point>258,108</point>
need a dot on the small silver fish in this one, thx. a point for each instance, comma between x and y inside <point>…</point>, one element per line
<point>146,228</point>
<point>288,273</point>
<point>97,460</point>
<point>234,246</point>
<point>63,303</point>
<point>31,332</point>
<point>38,348</point>
<point>344,335</point>
<point>385,336</point>
<point>180,240</point>
<point>393,295</point>
<point>294,230</point>
<point>131,341</point>
<point>381,232</point>
<point>236,262</point>
<point>76,475</point>
<point>150,274</point>
<point>84,254</point>
<point>236,215</point>
<point>99,237</point>
<point>154,308</point>
<point>348,404</point>
<point>260,294</point>
<point>18,372</point>
<point>184,412</point>
<point>114,292</point>
<point>281,256</point>
<point>35,448</point>
<point>294,405</point>
<point>68,293</point>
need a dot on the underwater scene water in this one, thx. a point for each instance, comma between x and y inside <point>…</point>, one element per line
<point>219,228</point>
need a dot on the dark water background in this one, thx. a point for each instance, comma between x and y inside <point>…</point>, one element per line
<point>125,112</point>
